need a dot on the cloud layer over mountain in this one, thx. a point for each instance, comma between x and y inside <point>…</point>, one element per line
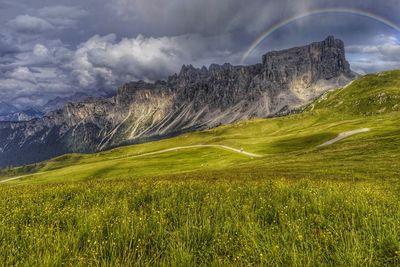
<point>50,49</point>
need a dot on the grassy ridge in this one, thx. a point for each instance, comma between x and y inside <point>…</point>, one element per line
<point>297,205</point>
<point>372,94</point>
<point>283,142</point>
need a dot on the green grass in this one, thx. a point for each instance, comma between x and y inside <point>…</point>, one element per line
<point>201,222</point>
<point>298,205</point>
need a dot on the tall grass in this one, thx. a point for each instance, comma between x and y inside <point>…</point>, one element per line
<point>162,222</point>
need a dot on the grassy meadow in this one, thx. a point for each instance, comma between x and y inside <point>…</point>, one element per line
<point>298,205</point>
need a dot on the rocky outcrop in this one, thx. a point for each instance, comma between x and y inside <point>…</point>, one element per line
<point>59,102</point>
<point>193,99</point>
<point>25,115</point>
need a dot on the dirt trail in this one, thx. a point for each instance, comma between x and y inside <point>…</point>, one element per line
<point>240,151</point>
<point>19,177</point>
<point>160,152</point>
<point>343,136</point>
<point>198,146</point>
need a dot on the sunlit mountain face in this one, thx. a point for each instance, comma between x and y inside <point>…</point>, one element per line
<point>54,49</point>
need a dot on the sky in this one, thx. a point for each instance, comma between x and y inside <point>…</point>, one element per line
<point>51,48</point>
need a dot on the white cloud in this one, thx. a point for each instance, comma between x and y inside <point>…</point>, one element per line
<point>30,25</point>
<point>36,75</point>
<point>382,54</point>
<point>23,74</point>
<point>383,45</point>
<point>104,63</point>
<point>54,53</point>
<point>196,32</point>
<point>30,87</point>
<point>40,50</point>
<point>104,60</point>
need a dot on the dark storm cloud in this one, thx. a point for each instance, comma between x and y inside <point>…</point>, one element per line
<point>51,48</point>
<point>206,16</point>
<point>7,45</point>
<point>63,17</point>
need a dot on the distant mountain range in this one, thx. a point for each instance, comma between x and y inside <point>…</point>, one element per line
<point>59,102</point>
<point>24,115</point>
<point>193,99</point>
<point>6,108</point>
<point>9,112</point>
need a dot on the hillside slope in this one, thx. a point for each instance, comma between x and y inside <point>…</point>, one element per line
<point>284,142</point>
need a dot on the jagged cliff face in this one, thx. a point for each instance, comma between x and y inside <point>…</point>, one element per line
<point>193,99</point>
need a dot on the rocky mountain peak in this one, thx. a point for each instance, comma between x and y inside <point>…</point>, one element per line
<point>307,64</point>
<point>196,98</point>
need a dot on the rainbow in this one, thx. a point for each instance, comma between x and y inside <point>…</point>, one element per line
<point>315,12</point>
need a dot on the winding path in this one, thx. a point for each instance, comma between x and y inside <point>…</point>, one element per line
<point>198,146</point>
<point>19,177</point>
<point>240,151</point>
<point>343,136</point>
<point>160,152</point>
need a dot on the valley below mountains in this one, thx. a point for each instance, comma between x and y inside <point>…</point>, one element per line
<point>194,99</point>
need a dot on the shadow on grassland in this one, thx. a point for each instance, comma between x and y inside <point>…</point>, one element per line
<point>300,143</point>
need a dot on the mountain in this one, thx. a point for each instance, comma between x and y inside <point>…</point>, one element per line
<point>289,146</point>
<point>6,108</point>
<point>25,115</point>
<point>59,102</point>
<point>10,113</point>
<point>191,100</point>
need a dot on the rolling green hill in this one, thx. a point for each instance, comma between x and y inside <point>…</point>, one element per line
<point>370,102</point>
<point>297,204</point>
